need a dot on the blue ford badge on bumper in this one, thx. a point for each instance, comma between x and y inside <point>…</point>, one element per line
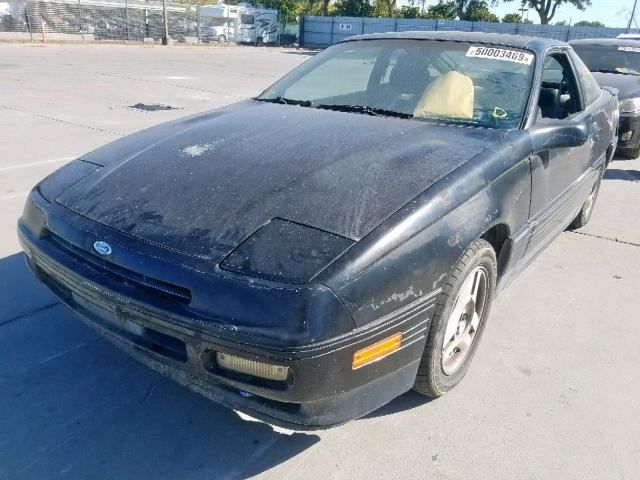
<point>103,248</point>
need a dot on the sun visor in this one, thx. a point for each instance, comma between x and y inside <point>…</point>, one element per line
<point>450,95</point>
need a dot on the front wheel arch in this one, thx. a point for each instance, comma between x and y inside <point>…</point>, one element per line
<point>498,237</point>
<point>432,379</point>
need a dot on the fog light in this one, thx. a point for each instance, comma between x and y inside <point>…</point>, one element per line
<point>377,351</point>
<point>251,367</point>
<point>626,136</point>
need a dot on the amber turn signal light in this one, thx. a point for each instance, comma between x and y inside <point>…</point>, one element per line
<point>376,351</point>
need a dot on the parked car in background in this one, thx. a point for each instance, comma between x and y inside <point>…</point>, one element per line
<point>616,63</point>
<point>310,254</point>
<point>629,36</point>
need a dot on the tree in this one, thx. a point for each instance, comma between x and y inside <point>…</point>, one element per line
<point>514,18</point>
<point>561,23</point>
<point>409,12</point>
<point>546,9</point>
<point>391,7</point>
<point>460,4</point>
<point>379,8</point>
<point>478,11</point>
<point>443,10</point>
<point>353,8</point>
<point>587,23</point>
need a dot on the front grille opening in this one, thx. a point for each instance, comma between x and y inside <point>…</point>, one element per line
<point>165,345</point>
<point>126,327</point>
<point>123,276</point>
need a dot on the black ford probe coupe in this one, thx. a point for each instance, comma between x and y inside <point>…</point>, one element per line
<point>310,254</point>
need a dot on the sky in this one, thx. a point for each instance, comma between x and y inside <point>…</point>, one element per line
<point>613,13</point>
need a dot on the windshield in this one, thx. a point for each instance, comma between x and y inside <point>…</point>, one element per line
<point>452,82</point>
<point>610,58</point>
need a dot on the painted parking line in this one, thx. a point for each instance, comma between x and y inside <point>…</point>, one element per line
<point>35,164</point>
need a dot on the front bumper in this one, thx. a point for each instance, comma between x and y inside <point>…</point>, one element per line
<point>322,390</point>
<point>629,132</point>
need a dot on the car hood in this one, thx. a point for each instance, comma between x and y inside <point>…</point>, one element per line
<point>203,184</point>
<point>628,85</point>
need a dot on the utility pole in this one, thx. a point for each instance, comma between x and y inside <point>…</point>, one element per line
<point>126,16</point>
<point>166,39</point>
<point>522,10</point>
<point>633,14</point>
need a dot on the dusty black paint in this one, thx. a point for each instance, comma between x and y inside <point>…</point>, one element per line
<point>231,172</point>
<point>285,251</point>
<point>380,209</point>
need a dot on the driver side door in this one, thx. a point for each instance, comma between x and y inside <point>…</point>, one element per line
<point>558,175</point>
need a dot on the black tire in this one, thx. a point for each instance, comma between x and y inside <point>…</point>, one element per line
<point>259,42</point>
<point>431,379</point>
<point>587,207</point>
<point>222,39</point>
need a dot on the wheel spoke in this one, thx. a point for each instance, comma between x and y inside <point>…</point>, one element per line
<point>464,344</point>
<point>454,319</point>
<point>464,320</point>
<point>449,349</point>
<point>475,322</point>
<point>475,286</point>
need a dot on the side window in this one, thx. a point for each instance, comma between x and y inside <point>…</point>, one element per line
<point>558,93</point>
<point>246,19</point>
<point>590,88</point>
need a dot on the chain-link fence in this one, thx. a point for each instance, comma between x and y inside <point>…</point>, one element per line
<point>135,20</point>
<point>325,31</point>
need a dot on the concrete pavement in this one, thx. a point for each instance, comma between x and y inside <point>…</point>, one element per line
<point>554,391</point>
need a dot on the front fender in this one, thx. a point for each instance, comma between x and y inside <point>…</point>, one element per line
<point>410,255</point>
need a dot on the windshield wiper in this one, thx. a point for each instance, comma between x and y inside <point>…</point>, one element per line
<point>617,71</point>
<point>364,109</point>
<point>285,101</point>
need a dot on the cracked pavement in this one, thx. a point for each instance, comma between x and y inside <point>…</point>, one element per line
<point>554,390</point>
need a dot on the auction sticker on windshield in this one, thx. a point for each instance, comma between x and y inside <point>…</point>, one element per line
<point>500,54</point>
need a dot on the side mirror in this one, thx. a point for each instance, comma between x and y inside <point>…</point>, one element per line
<point>554,133</point>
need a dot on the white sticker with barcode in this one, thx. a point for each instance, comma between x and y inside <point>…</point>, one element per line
<point>629,49</point>
<point>500,54</point>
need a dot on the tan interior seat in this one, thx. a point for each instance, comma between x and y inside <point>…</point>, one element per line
<point>450,95</point>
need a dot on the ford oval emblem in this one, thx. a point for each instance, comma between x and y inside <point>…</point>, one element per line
<point>103,248</point>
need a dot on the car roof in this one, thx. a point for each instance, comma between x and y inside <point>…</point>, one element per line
<point>619,42</point>
<point>538,45</point>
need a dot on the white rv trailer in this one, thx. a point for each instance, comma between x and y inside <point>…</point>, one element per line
<point>241,23</point>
